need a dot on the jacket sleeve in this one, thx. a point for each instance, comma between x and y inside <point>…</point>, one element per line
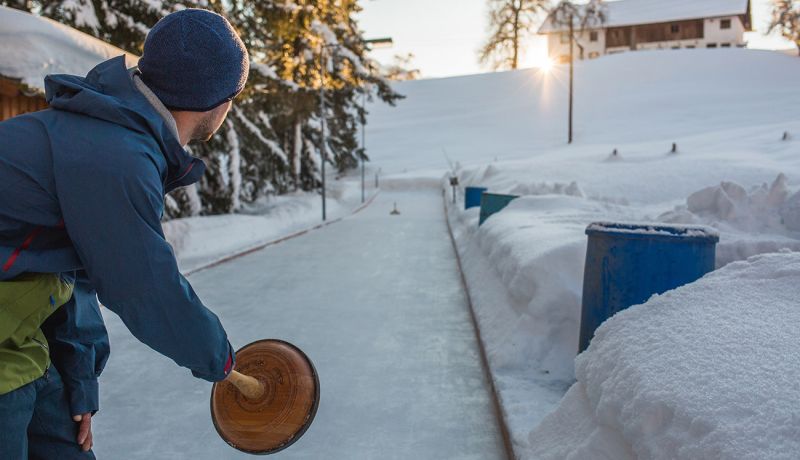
<point>79,346</point>
<point>112,205</point>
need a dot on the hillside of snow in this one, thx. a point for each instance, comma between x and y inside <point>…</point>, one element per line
<point>733,117</point>
<point>637,102</point>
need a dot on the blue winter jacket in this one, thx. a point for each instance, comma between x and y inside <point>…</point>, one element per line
<point>82,188</point>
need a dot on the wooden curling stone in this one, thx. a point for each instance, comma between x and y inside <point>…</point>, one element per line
<point>269,401</point>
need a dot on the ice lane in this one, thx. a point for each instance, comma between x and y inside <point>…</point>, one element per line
<point>376,303</point>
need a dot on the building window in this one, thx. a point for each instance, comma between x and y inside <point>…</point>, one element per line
<point>725,45</point>
<point>725,24</point>
<point>675,28</point>
<point>564,37</point>
<point>593,36</point>
<point>711,45</point>
<point>690,46</point>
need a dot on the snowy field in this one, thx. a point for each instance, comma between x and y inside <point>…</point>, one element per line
<point>727,111</point>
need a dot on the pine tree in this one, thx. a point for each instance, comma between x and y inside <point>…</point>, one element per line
<point>24,5</point>
<point>271,142</point>
<point>289,38</point>
<point>786,19</point>
<point>510,23</point>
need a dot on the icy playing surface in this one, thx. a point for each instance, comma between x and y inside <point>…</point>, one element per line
<point>376,303</point>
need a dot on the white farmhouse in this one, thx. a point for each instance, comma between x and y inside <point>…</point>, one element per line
<point>654,24</point>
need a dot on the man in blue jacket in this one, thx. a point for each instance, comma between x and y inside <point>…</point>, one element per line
<point>82,188</point>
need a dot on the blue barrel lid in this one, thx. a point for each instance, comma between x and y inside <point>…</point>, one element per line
<point>501,194</point>
<point>654,230</point>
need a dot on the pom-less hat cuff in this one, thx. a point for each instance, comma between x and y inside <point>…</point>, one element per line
<point>204,109</point>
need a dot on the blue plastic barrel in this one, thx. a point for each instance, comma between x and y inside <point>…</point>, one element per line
<point>626,264</point>
<point>472,196</point>
<point>492,203</point>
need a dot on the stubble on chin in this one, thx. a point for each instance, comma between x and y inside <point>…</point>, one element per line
<point>204,131</point>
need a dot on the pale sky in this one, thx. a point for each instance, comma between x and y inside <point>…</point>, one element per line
<point>444,35</point>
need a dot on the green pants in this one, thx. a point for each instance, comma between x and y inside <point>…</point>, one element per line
<point>25,303</point>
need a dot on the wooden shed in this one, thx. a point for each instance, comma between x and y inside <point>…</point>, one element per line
<point>13,101</point>
<point>32,47</point>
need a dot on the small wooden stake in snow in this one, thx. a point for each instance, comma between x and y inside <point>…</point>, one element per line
<point>786,135</point>
<point>615,153</point>
<point>454,184</point>
<point>395,212</point>
<point>674,148</point>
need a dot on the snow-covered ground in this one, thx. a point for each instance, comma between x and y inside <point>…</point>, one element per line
<point>702,372</point>
<point>727,112</point>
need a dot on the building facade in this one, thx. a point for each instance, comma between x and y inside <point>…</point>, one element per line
<point>631,25</point>
<point>14,102</point>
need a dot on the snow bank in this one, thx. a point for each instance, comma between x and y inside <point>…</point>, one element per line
<point>524,271</point>
<point>647,388</point>
<point>32,47</point>
<point>524,268</point>
<point>764,218</point>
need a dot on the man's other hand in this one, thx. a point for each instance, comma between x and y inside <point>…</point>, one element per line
<point>84,430</point>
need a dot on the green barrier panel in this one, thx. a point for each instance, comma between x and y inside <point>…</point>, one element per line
<point>492,203</point>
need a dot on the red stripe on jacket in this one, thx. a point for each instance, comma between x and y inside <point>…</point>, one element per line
<point>25,244</point>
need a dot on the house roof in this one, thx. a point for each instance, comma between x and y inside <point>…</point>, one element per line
<point>32,47</point>
<point>632,12</point>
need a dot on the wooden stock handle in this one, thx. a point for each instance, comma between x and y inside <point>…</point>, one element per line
<point>248,386</point>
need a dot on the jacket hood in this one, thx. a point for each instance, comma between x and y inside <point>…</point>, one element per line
<point>108,93</point>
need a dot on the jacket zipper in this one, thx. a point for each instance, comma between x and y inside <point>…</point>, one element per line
<point>47,366</point>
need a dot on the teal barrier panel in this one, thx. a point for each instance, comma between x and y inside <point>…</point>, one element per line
<point>626,264</point>
<point>472,196</point>
<point>492,203</point>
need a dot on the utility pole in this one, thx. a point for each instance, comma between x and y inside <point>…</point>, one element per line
<point>363,145</point>
<point>324,146</point>
<point>571,70</point>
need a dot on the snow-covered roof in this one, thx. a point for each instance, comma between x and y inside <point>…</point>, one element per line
<point>32,47</point>
<point>631,12</point>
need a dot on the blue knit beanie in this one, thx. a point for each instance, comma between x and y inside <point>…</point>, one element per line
<point>193,60</point>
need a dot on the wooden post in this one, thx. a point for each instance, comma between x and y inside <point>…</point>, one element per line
<point>324,142</point>
<point>248,386</point>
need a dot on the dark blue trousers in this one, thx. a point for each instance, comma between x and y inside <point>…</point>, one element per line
<point>35,422</point>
